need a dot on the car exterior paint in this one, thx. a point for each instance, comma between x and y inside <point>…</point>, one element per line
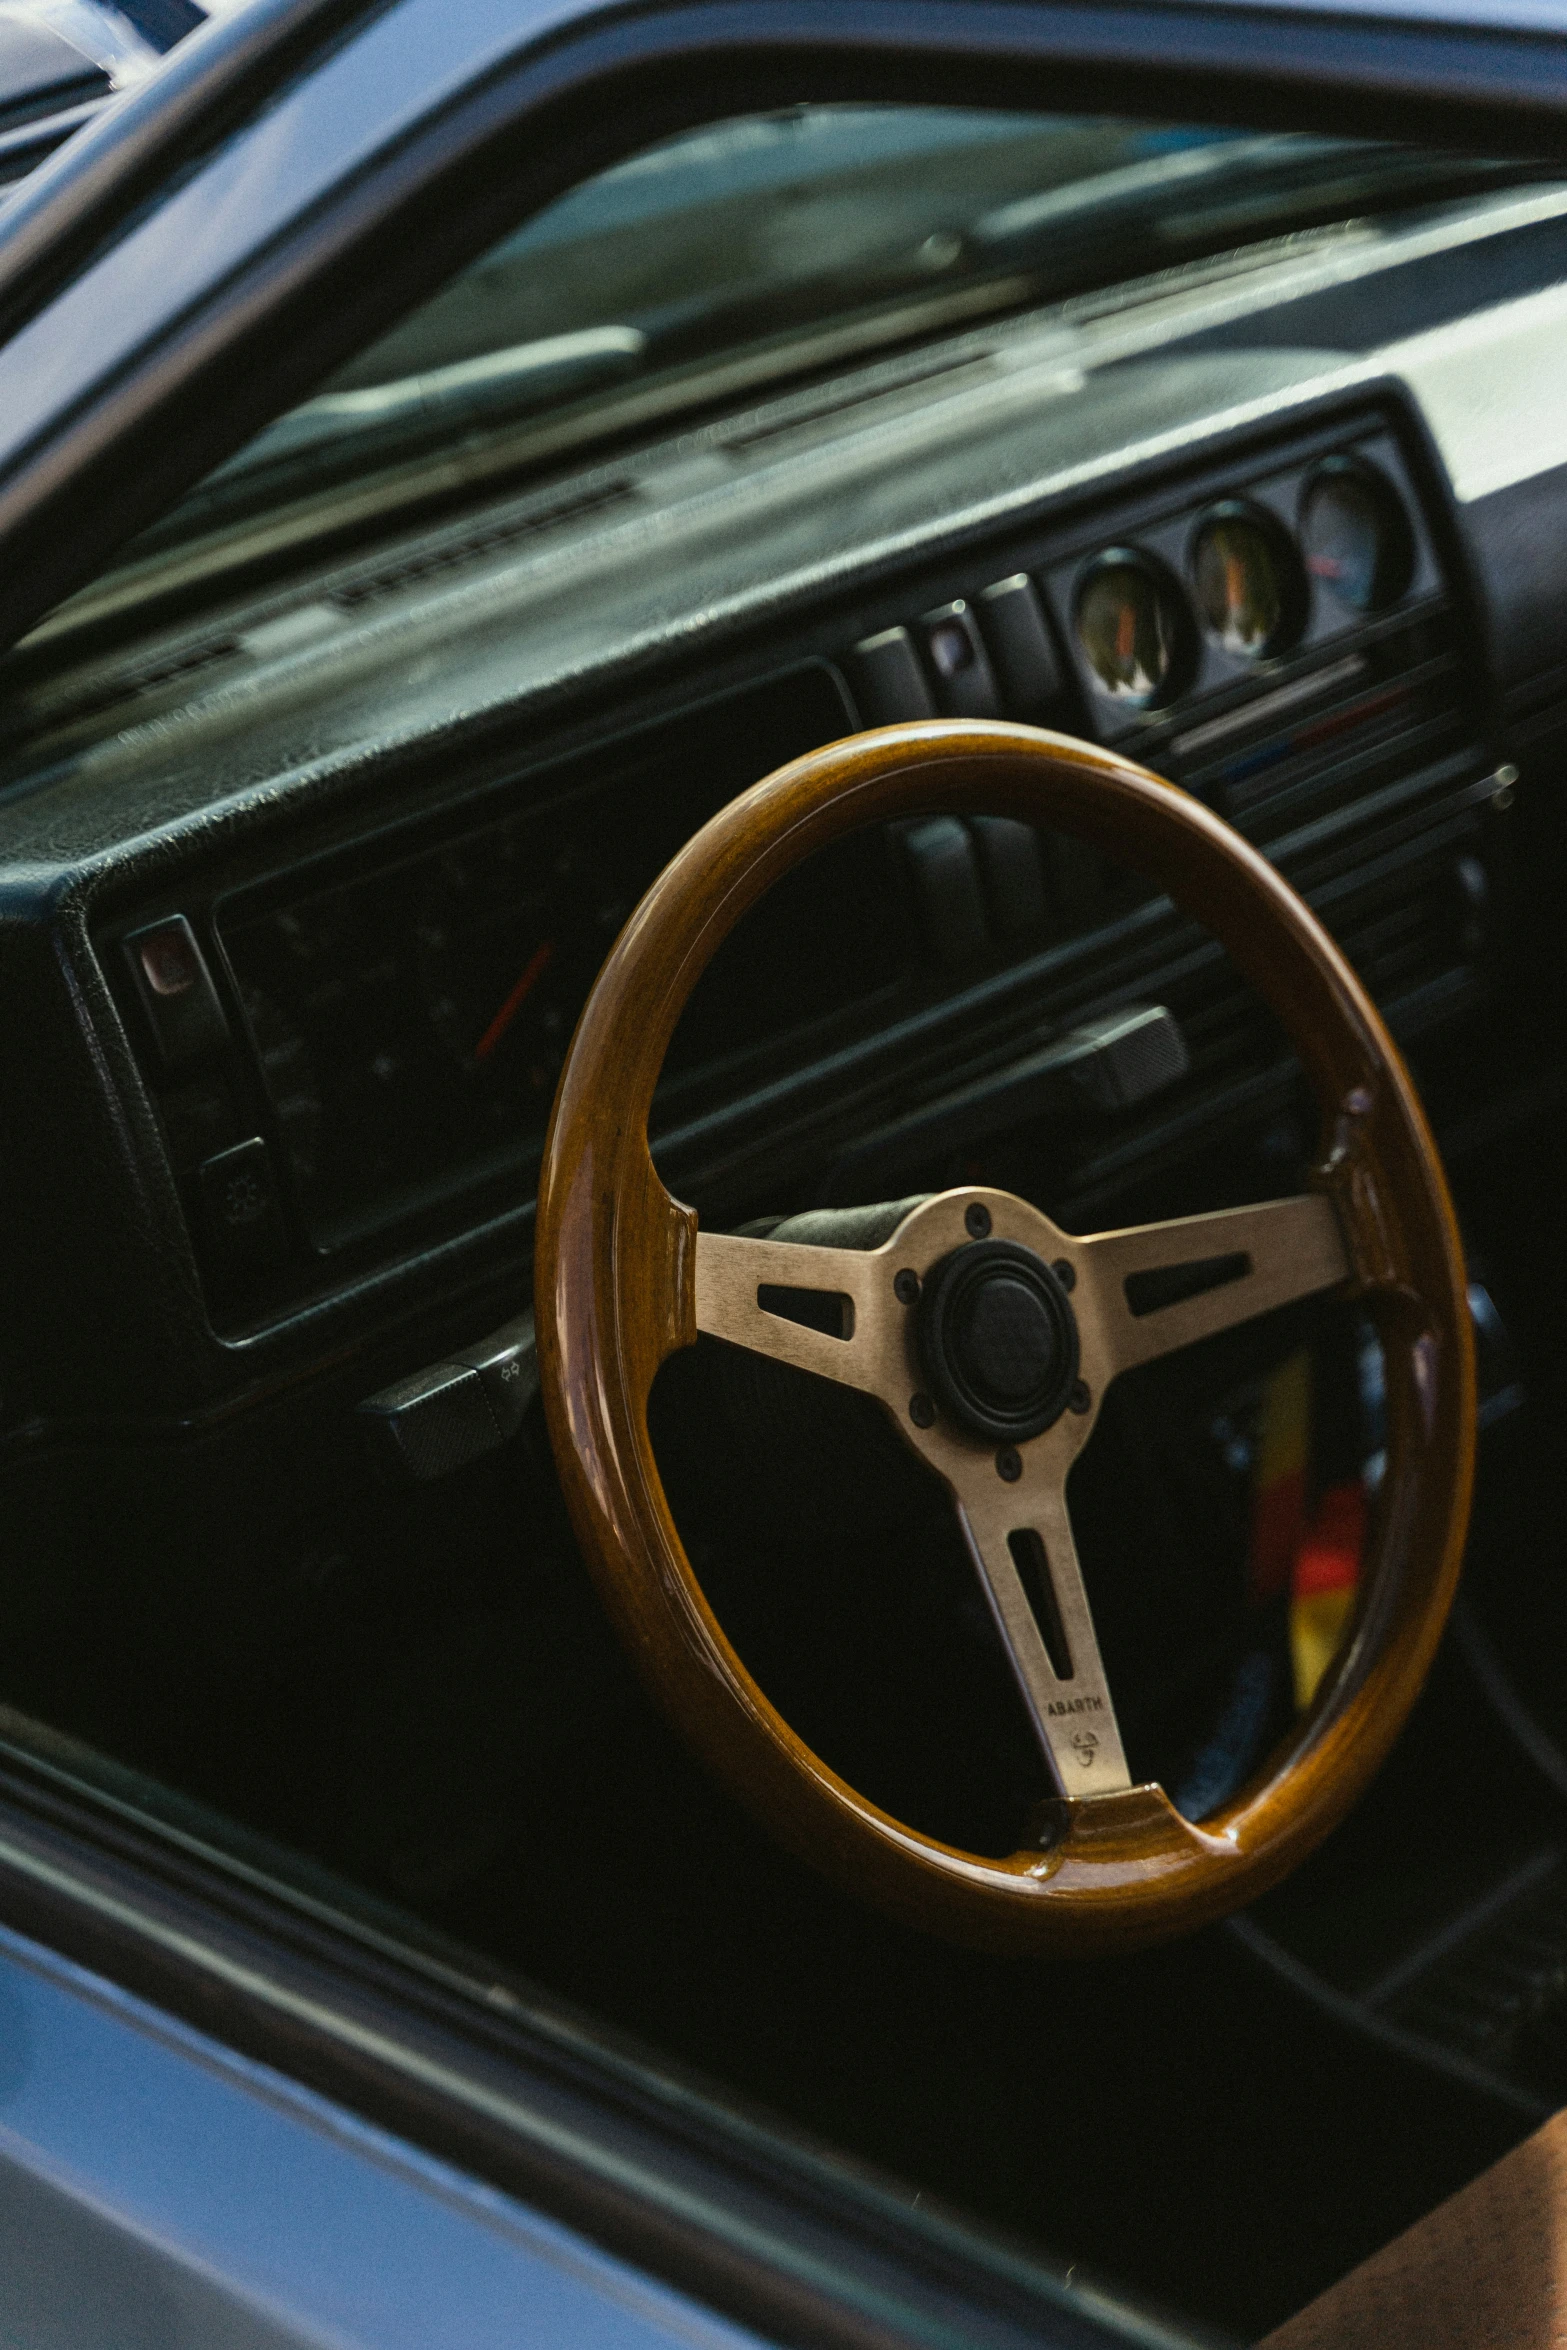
<point>157,2187</point>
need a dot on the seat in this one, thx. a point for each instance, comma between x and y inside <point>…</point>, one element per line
<point>1487,2270</point>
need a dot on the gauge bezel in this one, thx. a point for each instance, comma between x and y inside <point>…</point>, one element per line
<point>1351,465</point>
<point>1184,639</point>
<point>1294,583</point>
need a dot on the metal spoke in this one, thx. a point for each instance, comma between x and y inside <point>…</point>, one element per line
<point>735,1275</point>
<point>849,1315</point>
<point>1040,1606</point>
<point>1154,1287</point>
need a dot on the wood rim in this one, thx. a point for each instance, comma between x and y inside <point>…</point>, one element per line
<point>615,1295</point>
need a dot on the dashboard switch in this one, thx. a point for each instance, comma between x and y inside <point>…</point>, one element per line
<point>239,1204</point>
<point>945,874</point>
<point>177,994</point>
<point>1012,869</point>
<point>956,652</point>
<point>453,1412</point>
<point>1126,1057</point>
<point>1013,619</point>
<point>888,681</point>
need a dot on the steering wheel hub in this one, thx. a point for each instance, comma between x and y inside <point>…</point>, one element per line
<point>998,1340</point>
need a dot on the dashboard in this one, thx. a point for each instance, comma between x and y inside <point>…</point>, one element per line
<point>331,860</point>
<point>385,1022</point>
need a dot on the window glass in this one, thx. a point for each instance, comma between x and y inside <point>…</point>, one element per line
<point>755,250</point>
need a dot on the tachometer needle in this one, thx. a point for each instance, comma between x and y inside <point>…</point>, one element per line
<point>538,963</point>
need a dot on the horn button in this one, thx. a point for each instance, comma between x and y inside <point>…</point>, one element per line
<point>998,1340</point>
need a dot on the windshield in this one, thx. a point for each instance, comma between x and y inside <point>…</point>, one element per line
<point>758,249</point>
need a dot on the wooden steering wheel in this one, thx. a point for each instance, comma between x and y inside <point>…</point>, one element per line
<point>990,1337</point>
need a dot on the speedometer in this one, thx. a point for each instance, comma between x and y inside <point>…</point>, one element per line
<point>509,941</point>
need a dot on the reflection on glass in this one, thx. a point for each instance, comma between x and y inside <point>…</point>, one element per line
<point>1241,591</point>
<point>1129,625</point>
<point>1356,535</point>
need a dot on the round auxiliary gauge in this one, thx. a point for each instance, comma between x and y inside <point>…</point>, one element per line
<point>1357,538</point>
<point>1132,627</point>
<point>1248,583</point>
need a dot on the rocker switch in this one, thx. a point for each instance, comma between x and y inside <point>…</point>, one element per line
<point>1020,647</point>
<point>177,994</point>
<point>889,683</point>
<point>956,652</point>
<point>939,854</point>
<point>241,1213</point>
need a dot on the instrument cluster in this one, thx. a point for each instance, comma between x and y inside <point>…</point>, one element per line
<point>1201,600</point>
<point>409,1011</point>
<point>388,1019</point>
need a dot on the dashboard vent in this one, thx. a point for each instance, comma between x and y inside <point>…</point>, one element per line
<point>1405,895</point>
<point>452,553</point>
<point>1330,736</point>
<point>1230,1033</point>
<point>1411,921</point>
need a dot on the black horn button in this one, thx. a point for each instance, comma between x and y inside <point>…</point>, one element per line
<point>998,1340</point>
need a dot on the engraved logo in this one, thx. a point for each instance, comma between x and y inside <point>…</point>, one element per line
<point>1085,1746</point>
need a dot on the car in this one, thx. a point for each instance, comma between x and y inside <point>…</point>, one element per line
<point>780,876</point>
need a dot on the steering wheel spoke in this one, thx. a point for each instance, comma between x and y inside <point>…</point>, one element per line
<point>827,1310</point>
<point>1155,1287</point>
<point>1020,1538</point>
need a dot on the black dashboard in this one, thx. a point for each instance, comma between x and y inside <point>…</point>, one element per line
<point>305,879</point>
<point>386,1019</point>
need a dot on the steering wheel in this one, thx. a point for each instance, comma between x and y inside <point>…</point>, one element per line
<point>990,1336</point>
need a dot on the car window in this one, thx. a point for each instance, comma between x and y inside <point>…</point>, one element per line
<point>347,832</point>
<point>751,251</point>
<point>756,250</point>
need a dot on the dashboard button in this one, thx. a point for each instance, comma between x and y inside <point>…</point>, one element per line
<point>1027,671</point>
<point>1012,868</point>
<point>956,652</point>
<point>945,874</point>
<point>240,1210</point>
<point>888,681</point>
<point>177,993</point>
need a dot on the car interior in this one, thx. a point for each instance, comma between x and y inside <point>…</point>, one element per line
<point>321,809</point>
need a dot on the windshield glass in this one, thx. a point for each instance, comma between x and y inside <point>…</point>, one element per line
<point>757,249</point>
